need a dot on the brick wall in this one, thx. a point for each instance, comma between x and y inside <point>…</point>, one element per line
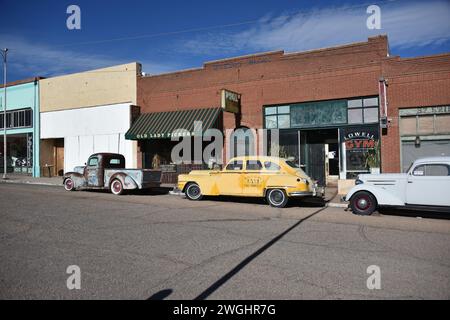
<point>277,77</point>
<point>412,82</point>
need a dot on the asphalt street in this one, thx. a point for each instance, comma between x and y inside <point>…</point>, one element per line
<point>152,246</point>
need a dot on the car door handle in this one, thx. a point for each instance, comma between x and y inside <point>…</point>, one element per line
<point>410,182</point>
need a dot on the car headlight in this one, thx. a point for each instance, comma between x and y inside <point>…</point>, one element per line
<point>359,181</point>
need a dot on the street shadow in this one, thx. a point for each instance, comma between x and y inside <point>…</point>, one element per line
<point>140,192</point>
<point>216,285</point>
<point>150,192</point>
<point>161,295</point>
<point>293,202</point>
<point>414,213</point>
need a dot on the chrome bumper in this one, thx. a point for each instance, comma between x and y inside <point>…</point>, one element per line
<point>301,194</point>
<point>316,192</point>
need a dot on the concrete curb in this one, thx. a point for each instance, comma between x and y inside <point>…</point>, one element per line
<point>31,182</point>
<point>336,205</point>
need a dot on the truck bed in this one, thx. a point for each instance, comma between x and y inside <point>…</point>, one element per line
<point>144,178</point>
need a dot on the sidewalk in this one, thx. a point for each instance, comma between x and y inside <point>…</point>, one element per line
<point>24,179</point>
<point>333,199</point>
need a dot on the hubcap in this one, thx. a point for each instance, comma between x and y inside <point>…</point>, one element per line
<point>69,184</point>
<point>116,186</point>
<point>362,203</point>
<point>277,197</point>
<point>194,191</point>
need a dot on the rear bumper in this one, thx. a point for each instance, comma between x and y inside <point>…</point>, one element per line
<point>151,184</point>
<point>316,192</point>
<point>301,194</point>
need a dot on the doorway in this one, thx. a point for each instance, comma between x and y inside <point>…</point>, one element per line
<point>59,157</point>
<point>321,155</point>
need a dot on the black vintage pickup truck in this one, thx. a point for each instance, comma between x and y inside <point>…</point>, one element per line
<point>107,171</point>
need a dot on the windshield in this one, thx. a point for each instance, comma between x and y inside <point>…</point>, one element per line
<point>409,167</point>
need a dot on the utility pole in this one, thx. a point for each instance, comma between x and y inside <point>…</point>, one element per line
<point>5,167</point>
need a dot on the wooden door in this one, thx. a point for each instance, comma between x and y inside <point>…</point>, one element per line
<point>59,162</point>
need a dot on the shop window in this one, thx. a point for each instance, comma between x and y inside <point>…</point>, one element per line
<point>362,149</point>
<point>277,117</point>
<point>17,119</point>
<point>355,103</point>
<point>442,124</point>
<point>408,126</point>
<point>271,110</point>
<point>426,124</point>
<point>319,114</point>
<point>362,110</point>
<point>271,122</point>
<point>283,121</point>
<point>355,116</point>
<point>414,125</point>
<point>370,115</point>
<point>371,102</point>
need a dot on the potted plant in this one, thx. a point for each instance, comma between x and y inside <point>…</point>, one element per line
<point>373,159</point>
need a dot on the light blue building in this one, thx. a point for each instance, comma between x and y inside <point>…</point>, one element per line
<point>22,127</point>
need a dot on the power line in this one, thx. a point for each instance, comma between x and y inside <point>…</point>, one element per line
<point>170,33</point>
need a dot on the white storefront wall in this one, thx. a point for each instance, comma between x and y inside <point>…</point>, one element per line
<point>90,130</point>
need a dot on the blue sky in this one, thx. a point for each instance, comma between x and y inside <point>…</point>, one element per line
<point>171,35</point>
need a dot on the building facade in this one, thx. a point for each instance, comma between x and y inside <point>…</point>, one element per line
<point>85,113</point>
<point>22,127</point>
<point>340,111</point>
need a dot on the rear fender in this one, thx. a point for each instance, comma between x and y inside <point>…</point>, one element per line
<point>128,183</point>
<point>383,196</point>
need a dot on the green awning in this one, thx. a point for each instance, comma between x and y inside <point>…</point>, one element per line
<point>163,125</point>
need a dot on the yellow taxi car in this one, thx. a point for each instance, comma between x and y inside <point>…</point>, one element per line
<point>274,178</point>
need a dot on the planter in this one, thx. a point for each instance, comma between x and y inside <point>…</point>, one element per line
<point>375,170</point>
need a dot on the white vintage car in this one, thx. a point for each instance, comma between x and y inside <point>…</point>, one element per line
<point>425,185</point>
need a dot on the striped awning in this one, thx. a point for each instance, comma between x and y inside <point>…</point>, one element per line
<point>163,125</point>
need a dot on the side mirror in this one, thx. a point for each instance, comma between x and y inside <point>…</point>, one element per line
<point>85,163</point>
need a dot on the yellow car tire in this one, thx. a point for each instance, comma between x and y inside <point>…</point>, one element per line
<point>277,198</point>
<point>193,191</point>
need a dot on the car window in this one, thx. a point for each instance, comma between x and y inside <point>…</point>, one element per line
<point>271,166</point>
<point>292,164</point>
<point>235,165</point>
<point>93,162</point>
<point>253,165</point>
<point>432,170</point>
<point>115,163</point>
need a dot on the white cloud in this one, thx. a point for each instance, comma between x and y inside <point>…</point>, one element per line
<point>36,59</point>
<point>408,24</point>
<point>29,59</point>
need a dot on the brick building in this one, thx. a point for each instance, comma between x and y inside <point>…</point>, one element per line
<point>328,104</point>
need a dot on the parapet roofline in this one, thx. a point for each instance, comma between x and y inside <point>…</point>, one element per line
<point>105,69</point>
<point>247,56</point>
<point>23,81</point>
<point>281,53</point>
